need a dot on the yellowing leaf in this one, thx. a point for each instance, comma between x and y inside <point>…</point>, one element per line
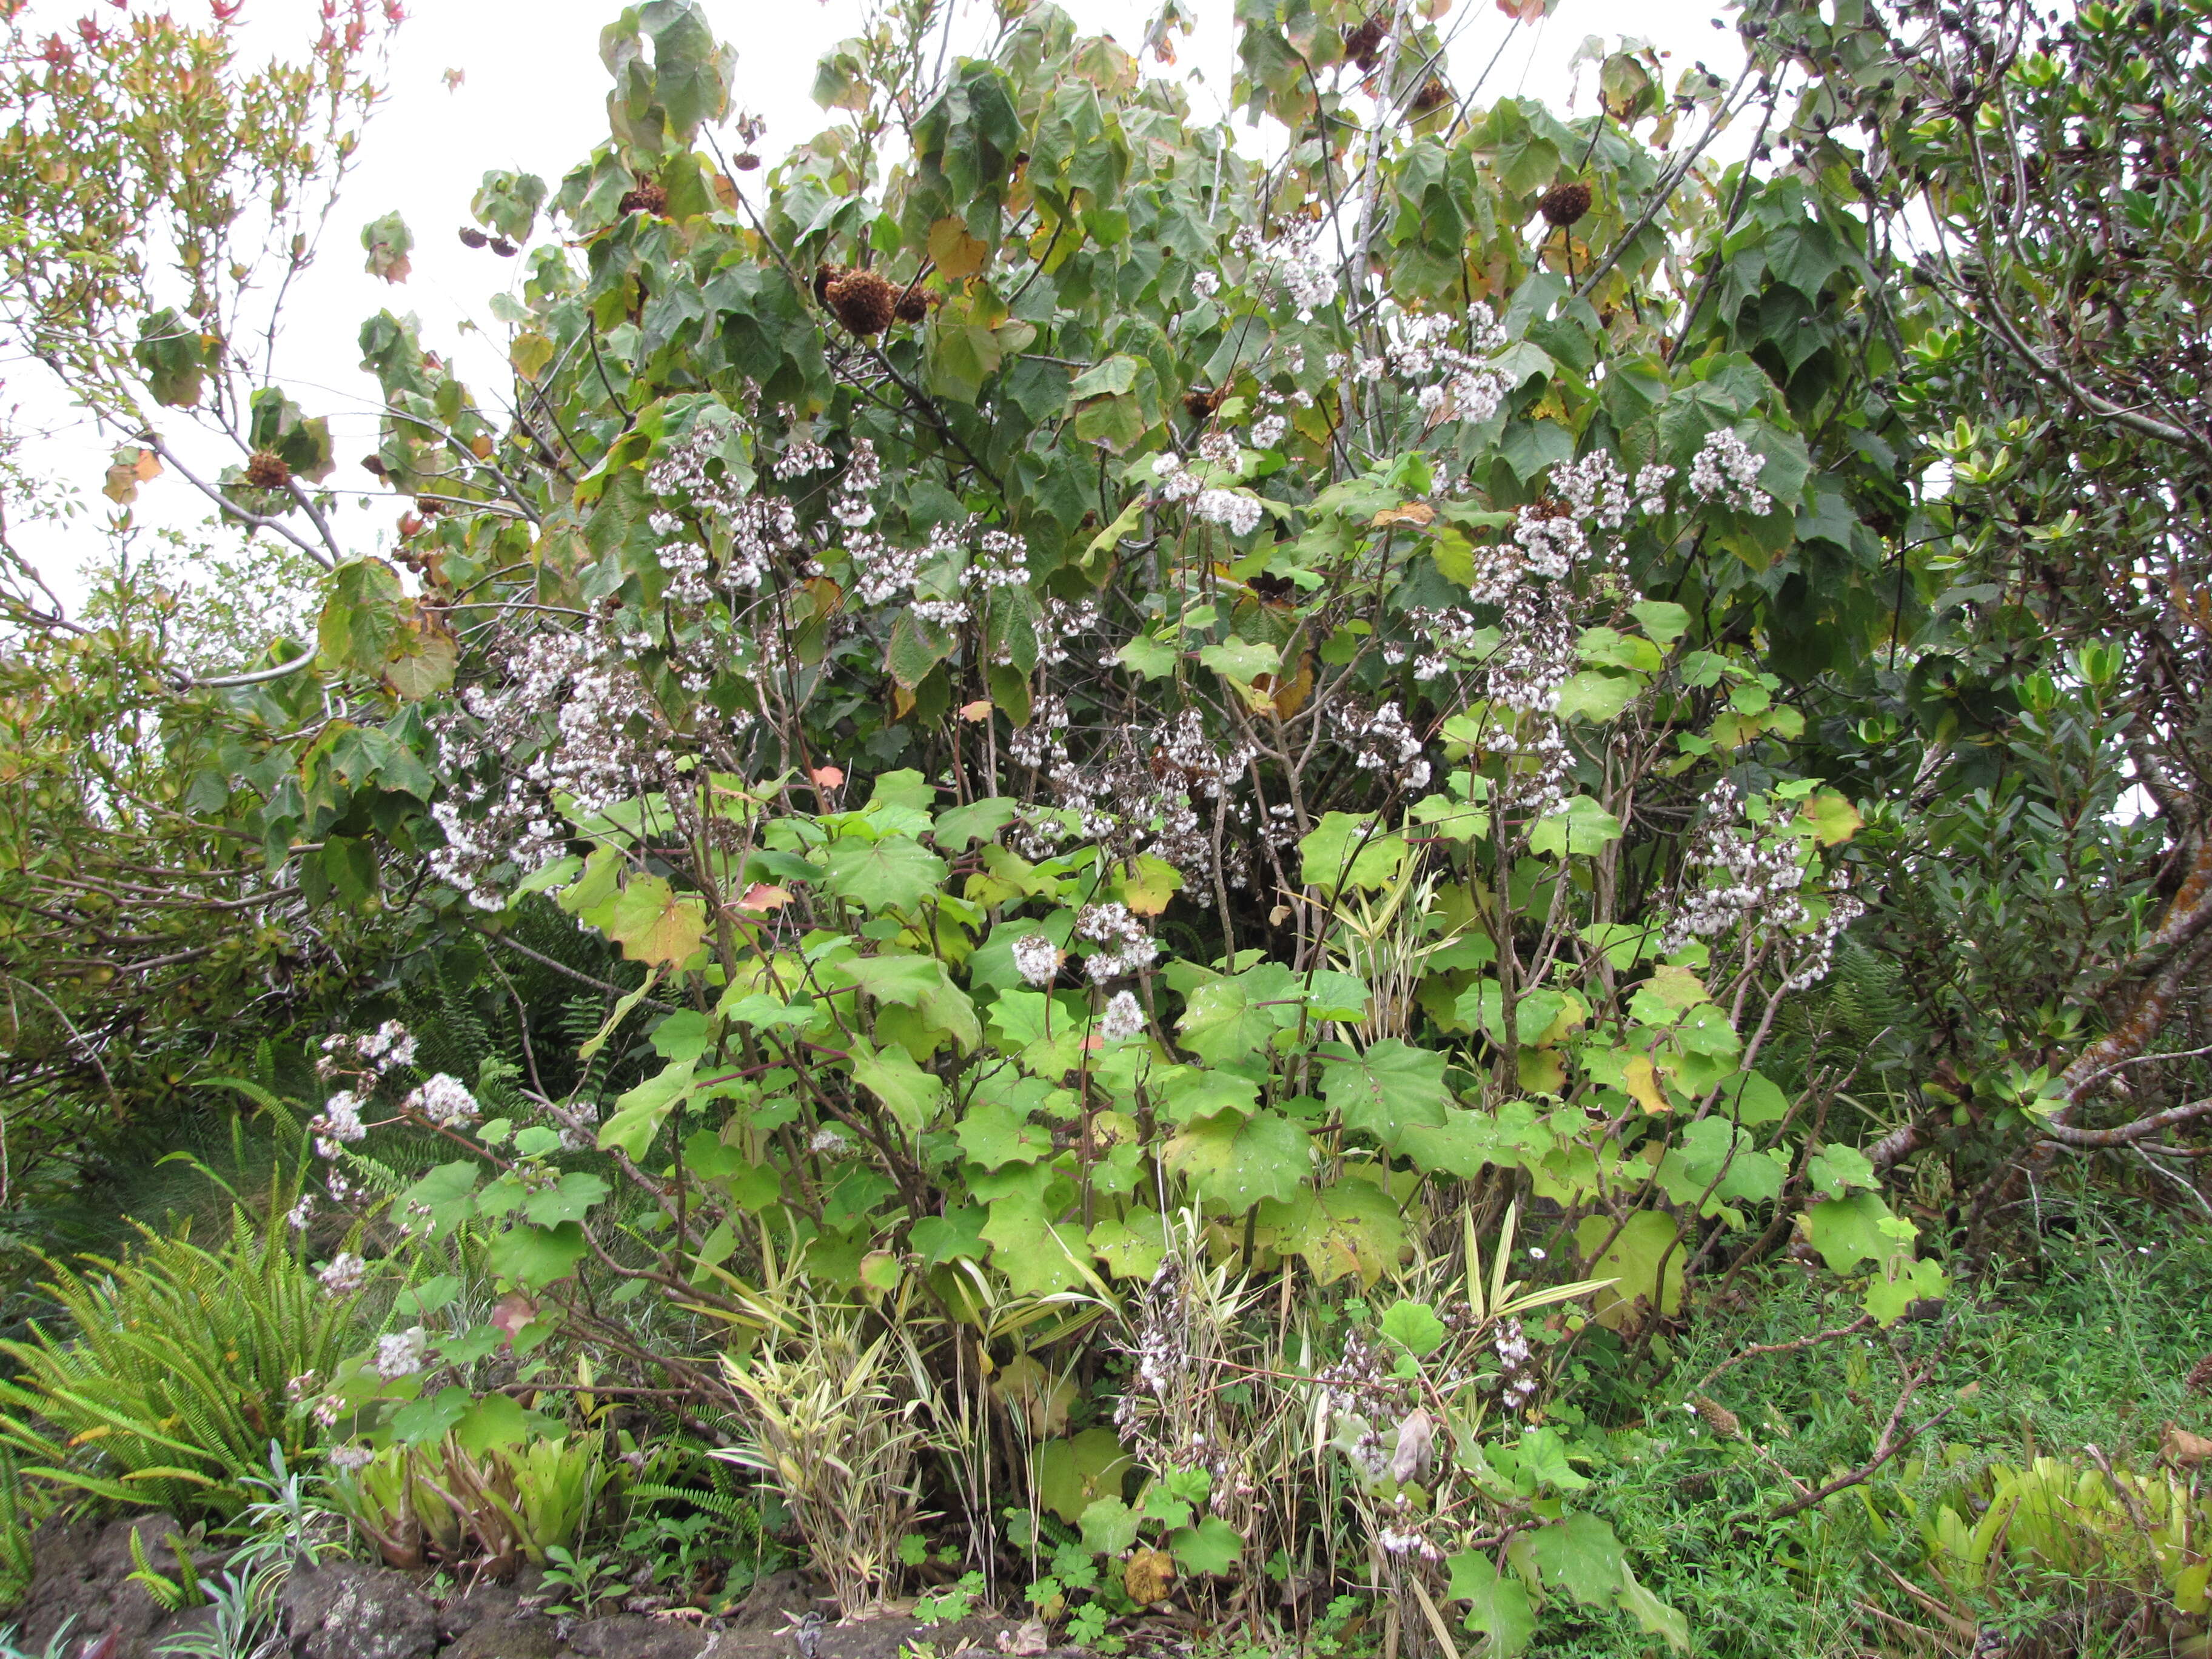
<point>1148,884</point>
<point>1831,818</point>
<point>958,255</point>
<point>652,924</point>
<point>529,354</point>
<point>1641,1078</point>
<point>1412,513</point>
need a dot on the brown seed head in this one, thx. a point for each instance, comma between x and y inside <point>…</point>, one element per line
<point>266,471</point>
<point>1202,402</point>
<point>825,274</point>
<point>864,301</point>
<point>1432,93</point>
<point>1718,1417</point>
<point>746,161</point>
<point>2200,1376</point>
<point>644,196</point>
<point>1563,204</point>
<point>915,303</point>
<point>1364,45</point>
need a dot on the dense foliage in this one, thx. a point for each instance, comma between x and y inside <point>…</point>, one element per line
<point>1173,856</point>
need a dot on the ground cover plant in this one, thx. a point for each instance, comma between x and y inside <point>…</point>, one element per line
<point>1067,869</point>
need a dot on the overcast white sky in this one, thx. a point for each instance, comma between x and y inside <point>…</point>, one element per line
<point>531,97</point>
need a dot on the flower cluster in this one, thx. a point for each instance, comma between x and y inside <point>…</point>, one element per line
<point>339,1121</point>
<point>801,456</point>
<point>353,1055</point>
<point>696,473</point>
<point>1036,959</point>
<point>1122,1018</point>
<point>1237,509</point>
<point>444,1101</point>
<point>1451,383</point>
<point>1177,482</point>
<point>1128,947</point>
<point>1518,1373</point>
<point>345,1274</point>
<point>1388,745</point>
<point>402,1353</point>
<point>1727,469</point>
<point>1733,876</point>
<point>1306,276</point>
<point>864,472</point>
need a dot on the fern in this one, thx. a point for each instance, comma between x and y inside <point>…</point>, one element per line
<point>740,1513</point>
<point>16,1563</point>
<point>172,1381</point>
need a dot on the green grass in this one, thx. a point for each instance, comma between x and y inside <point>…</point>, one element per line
<point>2090,1345</point>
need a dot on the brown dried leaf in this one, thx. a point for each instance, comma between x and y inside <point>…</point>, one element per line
<point>1148,1576</point>
<point>2185,1450</point>
<point>1413,512</point>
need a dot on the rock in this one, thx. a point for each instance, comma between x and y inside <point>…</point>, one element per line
<point>767,1604</point>
<point>81,1578</point>
<point>634,1636</point>
<point>346,1610</point>
<point>518,1636</point>
<point>489,1602</point>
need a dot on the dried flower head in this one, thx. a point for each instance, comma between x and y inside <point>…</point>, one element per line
<point>644,196</point>
<point>265,470</point>
<point>1564,204</point>
<point>864,301</point>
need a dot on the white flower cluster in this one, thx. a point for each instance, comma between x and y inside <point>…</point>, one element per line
<point>1517,1371</point>
<point>695,472</point>
<point>1550,539</point>
<point>1734,877</point>
<point>350,1458</point>
<point>802,456</point>
<point>1177,482</point>
<point>1205,284</point>
<point>1123,1018</point>
<point>1395,1542</point>
<point>1269,430</point>
<point>1453,637</point>
<point>1059,625</point>
<point>880,572</point>
<point>613,740</point>
<point>1036,959</point>
<point>1002,561</point>
<point>402,1353</point>
<point>1593,487</point>
<point>763,529</point>
<point>1217,449</point>
<point>1388,745</point>
<point>1129,948</point>
<point>390,1045</point>
<point>1727,469</point>
<point>1451,383</point>
<point>1306,275</point>
<point>1536,652</point>
<point>344,1275</point>
<point>444,1101</point>
<point>863,472</point>
<point>339,1121</point>
<point>1237,509</point>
